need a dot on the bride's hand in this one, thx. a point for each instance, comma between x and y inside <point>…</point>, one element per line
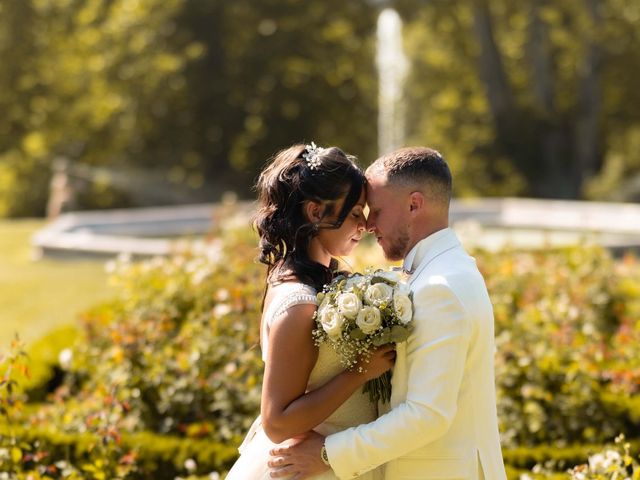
<point>381,360</point>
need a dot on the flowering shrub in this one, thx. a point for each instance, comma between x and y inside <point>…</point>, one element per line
<point>175,358</point>
<point>178,353</point>
<point>20,458</point>
<point>621,365</point>
<point>558,314</point>
<point>610,464</point>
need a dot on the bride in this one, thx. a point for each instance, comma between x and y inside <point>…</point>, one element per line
<point>311,210</point>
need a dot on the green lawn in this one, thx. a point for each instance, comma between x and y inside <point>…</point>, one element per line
<point>36,296</point>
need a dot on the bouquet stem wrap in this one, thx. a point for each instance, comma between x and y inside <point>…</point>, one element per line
<point>379,389</point>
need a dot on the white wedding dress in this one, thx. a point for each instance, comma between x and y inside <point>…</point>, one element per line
<point>254,451</point>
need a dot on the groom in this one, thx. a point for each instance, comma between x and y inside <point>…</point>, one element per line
<point>442,423</point>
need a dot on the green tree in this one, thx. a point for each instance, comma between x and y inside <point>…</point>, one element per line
<point>87,79</point>
<point>279,72</point>
<point>202,92</point>
<point>531,97</point>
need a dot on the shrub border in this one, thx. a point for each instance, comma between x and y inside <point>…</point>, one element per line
<point>163,455</point>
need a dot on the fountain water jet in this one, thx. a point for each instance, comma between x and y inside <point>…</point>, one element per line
<point>393,67</point>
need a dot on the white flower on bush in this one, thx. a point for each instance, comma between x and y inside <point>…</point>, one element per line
<point>222,295</point>
<point>600,463</point>
<point>348,304</point>
<point>221,309</point>
<point>378,293</point>
<point>64,358</point>
<point>331,321</point>
<point>369,319</point>
<point>403,307</point>
<point>596,462</point>
<point>190,465</point>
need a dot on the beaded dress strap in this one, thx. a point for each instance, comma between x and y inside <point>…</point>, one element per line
<point>302,296</point>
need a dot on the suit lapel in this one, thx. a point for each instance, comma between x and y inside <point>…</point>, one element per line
<point>399,378</point>
<point>442,245</point>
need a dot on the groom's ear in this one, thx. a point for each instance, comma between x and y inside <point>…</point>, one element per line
<point>313,211</point>
<point>416,201</point>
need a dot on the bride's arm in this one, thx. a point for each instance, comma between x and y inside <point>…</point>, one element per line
<point>286,409</point>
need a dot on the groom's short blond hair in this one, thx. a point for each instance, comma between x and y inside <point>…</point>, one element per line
<point>421,168</point>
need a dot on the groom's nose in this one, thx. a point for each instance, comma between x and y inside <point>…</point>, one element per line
<point>370,224</point>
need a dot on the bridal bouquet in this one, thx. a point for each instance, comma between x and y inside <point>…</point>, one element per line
<point>359,312</point>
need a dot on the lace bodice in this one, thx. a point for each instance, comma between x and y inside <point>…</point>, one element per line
<point>285,296</point>
<point>357,409</point>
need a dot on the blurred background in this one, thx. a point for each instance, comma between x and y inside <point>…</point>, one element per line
<point>160,102</point>
<point>140,120</point>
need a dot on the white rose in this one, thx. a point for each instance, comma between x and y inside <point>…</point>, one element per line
<point>324,304</point>
<point>378,293</point>
<point>403,307</point>
<point>348,304</point>
<point>331,321</point>
<point>353,281</point>
<point>369,319</point>
<point>402,288</point>
<point>390,275</point>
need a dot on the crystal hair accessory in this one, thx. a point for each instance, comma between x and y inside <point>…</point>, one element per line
<point>312,155</point>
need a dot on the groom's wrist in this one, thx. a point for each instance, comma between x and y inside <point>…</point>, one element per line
<point>323,456</point>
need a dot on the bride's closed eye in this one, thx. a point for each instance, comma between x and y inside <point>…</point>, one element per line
<point>358,212</point>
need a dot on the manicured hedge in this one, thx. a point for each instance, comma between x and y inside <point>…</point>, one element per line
<point>163,456</point>
<point>158,457</point>
<point>563,457</point>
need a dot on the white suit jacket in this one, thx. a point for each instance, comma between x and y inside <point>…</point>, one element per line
<point>442,422</point>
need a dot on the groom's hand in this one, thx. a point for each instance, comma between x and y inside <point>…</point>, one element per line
<point>299,459</point>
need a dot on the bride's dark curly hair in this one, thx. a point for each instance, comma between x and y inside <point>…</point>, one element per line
<point>283,187</point>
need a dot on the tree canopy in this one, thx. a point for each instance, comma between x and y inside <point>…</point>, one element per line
<point>531,98</point>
